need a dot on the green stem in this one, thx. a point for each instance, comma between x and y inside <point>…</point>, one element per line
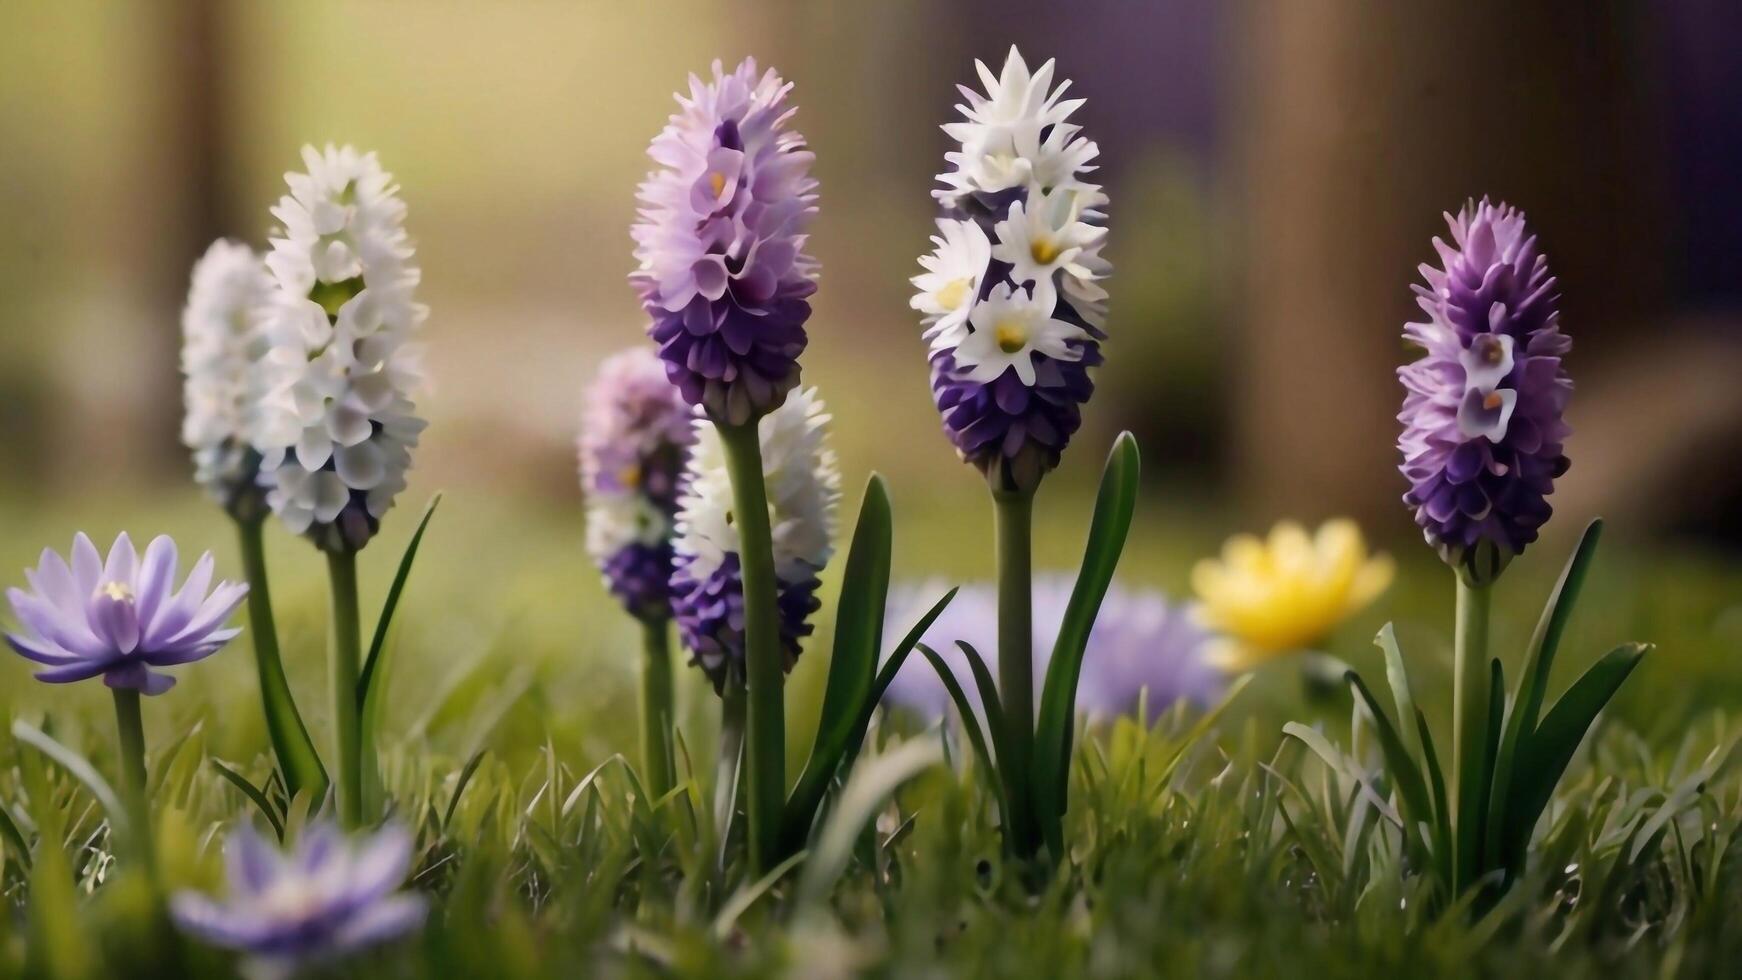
<point>297,757</point>
<point>1014,516</point>
<point>345,656</point>
<point>765,755</point>
<point>132,733</point>
<point>1469,730</point>
<point>657,715</point>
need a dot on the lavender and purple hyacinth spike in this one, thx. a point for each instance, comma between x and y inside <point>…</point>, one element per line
<point>710,619</point>
<point>120,618</point>
<point>1482,414</point>
<point>720,244</point>
<point>328,897</point>
<point>635,436</point>
<point>1141,642</point>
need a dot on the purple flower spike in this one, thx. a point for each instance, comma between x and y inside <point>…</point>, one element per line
<point>1011,294</point>
<point>1482,411</point>
<point>1140,643</point>
<point>326,898</point>
<point>635,435</point>
<point>121,617</point>
<point>720,244</point>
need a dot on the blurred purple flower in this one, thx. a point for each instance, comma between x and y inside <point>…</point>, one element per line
<point>635,433</point>
<point>122,617</point>
<point>1482,411</point>
<point>1140,642</point>
<point>326,898</point>
<point>720,244</point>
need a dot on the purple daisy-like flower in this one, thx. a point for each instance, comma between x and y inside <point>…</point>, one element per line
<point>1140,643</point>
<point>121,617</point>
<point>635,435</point>
<point>326,898</point>
<point>1482,411</point>
<point>720,244</point>
<point>1011,294</point>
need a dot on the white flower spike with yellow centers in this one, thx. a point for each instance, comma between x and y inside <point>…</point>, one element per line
<point>1288,593</point>
<point>1047,238</point>
<point>1009,326</point>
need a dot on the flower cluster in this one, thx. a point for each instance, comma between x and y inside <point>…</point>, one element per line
<point>338,423</point>
<point>803,481</point>
<point>1482,411</point>
<point>1286,594</point>
<point>1142,647</point>
<point>223,348</point>
<point>1011,293</point>
<point>121,617</point>
<point>327,898</point>
<point>722,270</point>
<point>635,433</point>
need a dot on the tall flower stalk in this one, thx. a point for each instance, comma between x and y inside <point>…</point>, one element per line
<point>1482,446</point>
<point>722,273</point>
<point>1013,309</point>
<point>224,347</point>
<point>635,436</point>
<point>338,424</point>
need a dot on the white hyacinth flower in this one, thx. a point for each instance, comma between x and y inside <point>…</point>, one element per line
<point>1016,135</point>
<point>223,346</point>
<point>803,479</point>
<point>337,435</point>
<point>1009,327</point>
<point>950,284</point>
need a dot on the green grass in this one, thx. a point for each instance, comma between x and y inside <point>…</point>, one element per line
<point>1227,853</point>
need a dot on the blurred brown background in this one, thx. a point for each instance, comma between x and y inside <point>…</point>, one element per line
<point>1277,170</point>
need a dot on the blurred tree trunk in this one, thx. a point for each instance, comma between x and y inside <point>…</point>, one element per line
<point>1356,123</point>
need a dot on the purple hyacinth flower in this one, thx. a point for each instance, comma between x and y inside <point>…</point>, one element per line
<point>1011,294</point>
<point>720,245</point>
<point>326,898</point>
<point>710,617</point>
<point>635,435</point>
<point>121,617</point>
<point>1141,647</point>
<point>1482,411</point>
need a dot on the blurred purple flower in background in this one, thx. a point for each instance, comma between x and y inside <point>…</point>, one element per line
<point>120,617</point>
<point>327,897</point>
<point>1482,425</point>
<point>635,432</point>
<point>1011,294</point>
<point>720,244</point>
<point>1140,642</point>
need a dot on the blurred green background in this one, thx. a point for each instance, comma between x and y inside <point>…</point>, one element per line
<point>1277,170</point>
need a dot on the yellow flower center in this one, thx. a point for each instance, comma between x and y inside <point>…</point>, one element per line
<point>1044,250</point>
<point>117,591</point>
<point>1012,335</point>
<point>951,296</point>
<point>1491,401</point>
<point>630,476</point>
<point>717,181</point>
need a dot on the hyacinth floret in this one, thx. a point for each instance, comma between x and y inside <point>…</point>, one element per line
<point>1483,426</point>
<point>1011,296</point>
<point>337,434</point>
<point>803,482</point>
<point>719,246</point>
<point>224,345</point>
<point>635,435</point>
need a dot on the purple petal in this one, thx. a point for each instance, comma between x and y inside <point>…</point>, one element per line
<point>123,564</point>
<point>156,577</point>
<point>382,920</point>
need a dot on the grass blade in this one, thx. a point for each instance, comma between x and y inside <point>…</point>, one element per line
<point>971,725</point>
<point>1405,775</point>
<point>79,768</point>
<point>867,791</point>
<point>254,794</point>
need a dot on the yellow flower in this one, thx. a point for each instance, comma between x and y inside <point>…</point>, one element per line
<point>1275,597</point>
